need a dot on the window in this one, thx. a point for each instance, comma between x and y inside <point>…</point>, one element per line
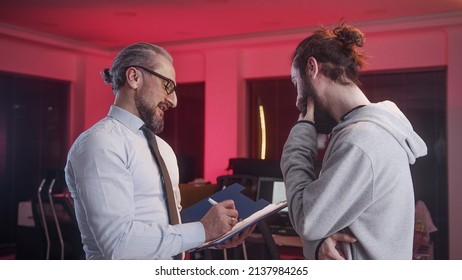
<point>276,99</point>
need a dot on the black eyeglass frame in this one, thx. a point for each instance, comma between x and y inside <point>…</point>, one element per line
<point>166,86</point>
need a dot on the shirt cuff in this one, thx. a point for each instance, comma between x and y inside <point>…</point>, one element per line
<point>193,235</point>
<point>305,121</point>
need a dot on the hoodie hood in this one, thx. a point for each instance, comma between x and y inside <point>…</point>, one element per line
<point>388,116</point>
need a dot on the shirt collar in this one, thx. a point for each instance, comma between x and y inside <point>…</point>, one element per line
<point>131,121</point>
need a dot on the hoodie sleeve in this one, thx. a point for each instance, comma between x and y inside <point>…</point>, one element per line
<point>319,207</point>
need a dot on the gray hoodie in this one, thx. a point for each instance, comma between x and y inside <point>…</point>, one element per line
<point>365,185</point>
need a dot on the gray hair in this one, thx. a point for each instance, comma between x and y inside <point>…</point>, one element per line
<point>143,54</point>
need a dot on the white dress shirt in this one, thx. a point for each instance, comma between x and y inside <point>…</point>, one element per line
<point>118,195</point>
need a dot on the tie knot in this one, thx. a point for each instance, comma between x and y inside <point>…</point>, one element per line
<point>147,131</point>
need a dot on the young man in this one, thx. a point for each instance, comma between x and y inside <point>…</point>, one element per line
<point>362,204</point>
<point>115,180</point>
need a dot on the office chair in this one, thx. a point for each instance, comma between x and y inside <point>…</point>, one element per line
<point>53,213</point>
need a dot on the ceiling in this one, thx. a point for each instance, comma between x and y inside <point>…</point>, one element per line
<point>111,24</point>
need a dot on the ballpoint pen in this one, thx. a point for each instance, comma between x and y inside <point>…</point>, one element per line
<point>211,201</point>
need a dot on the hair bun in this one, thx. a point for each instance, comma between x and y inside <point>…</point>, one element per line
<point>349,36</point>
<point>107,77</point>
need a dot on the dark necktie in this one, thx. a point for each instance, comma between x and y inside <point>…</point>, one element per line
<point>168,187</point>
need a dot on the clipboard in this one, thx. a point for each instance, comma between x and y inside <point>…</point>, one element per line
<point>250,211</point>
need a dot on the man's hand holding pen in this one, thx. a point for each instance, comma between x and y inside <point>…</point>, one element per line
<point>219,219</point>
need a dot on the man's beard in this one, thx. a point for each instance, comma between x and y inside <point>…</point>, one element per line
<point>151,120</point>
<point>323,121</point>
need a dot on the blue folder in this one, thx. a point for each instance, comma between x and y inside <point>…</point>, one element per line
<point>244,205</point>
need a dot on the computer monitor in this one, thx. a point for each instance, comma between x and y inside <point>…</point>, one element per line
<point>272,190</point>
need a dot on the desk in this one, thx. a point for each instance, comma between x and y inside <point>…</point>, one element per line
<point>280,240</point>
<point>285,240</point>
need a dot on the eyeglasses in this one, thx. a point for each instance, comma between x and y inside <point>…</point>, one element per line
<point>169,86</point>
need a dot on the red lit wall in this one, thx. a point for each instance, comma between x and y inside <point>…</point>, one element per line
<point>99,96</point>
<point>221,111</point>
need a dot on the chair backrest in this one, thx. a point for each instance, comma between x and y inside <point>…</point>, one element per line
<point>248,181</point>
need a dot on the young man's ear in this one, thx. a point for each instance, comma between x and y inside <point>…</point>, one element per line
<point>312,67</point>
<point>133,77</point>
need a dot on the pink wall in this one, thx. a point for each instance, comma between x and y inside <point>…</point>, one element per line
<point>221,111</point>
<point>189,66</point>
<point>406,49</point>
<point>21,56</point>
<point>99,96</point>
